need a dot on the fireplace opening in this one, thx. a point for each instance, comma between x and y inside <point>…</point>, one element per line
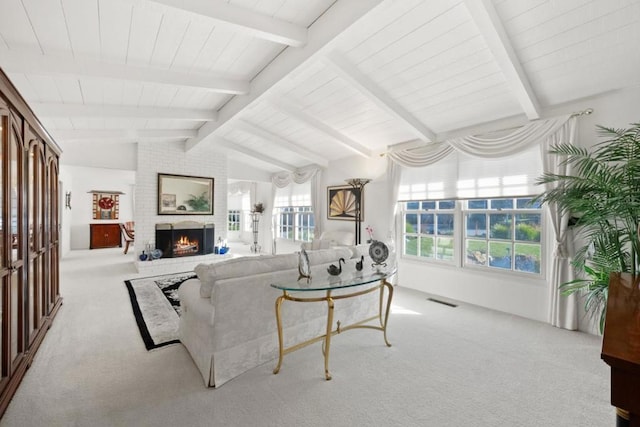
<point>187,238</point>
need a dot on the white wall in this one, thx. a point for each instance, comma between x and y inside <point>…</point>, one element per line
<point>80,180</point>
<point>96,155</point>
<point>66,181</point>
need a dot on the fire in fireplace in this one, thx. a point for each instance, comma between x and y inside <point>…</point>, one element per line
<point>186,238</point>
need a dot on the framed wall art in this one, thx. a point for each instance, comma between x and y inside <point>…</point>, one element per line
<point>106,204</point>
<point>184,195</point>
<point>341,203</point>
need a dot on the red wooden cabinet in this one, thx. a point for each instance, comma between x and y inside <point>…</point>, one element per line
<point>105,236</point>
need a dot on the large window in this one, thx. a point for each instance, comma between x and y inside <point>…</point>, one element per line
<point>429,229</point>
<point>295,223</point>
<point>503,234</point>
<point>500,234</point>
<point>294,216</point>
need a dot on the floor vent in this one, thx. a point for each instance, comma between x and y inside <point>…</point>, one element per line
<point>441,302</point>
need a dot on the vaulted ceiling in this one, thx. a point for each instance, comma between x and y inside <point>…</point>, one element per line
<point>281,84</point>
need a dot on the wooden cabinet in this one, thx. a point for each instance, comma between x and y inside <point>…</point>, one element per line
<point>29,237</point>
<point>105,236</point>
<point>621,346</point>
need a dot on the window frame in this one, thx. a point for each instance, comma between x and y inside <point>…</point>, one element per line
<point>237,219</point>
<point>454,261</point>
<point>512,211</point>
<point>296,226</point>
<point>459,236</point>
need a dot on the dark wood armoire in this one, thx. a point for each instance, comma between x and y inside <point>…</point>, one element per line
<point>29,237</point>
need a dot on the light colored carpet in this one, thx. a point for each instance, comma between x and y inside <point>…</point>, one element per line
<point>463,366</point>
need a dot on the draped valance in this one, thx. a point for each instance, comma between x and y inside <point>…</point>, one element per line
<point>481,146</point>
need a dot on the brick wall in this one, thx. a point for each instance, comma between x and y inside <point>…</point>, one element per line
<point>170,157</point>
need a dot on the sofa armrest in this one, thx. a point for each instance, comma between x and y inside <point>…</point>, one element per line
<point>192,302</point>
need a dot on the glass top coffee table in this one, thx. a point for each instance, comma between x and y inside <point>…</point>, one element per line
<point>352,284</point>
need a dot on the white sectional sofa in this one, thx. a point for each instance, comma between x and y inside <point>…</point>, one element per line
<point>228,322</point>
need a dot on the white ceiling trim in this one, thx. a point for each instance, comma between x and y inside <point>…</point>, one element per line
<point>374,93</point>
<point>232,146</point>
<point>118,134</point>
<point>272,138</point>
<point>115,111</point>
<point>29,63</point>
<point>493,32</point>
<point>322,35</point>
<point>296,112</point>
<point>244,20</point>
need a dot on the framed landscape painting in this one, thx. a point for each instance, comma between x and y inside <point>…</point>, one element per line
<point>341,203</point>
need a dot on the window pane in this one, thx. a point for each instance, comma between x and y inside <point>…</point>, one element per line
<point>477,204</point>
<point>526,204</point>
<point>411,223</point>
<point>426,223</point>
<point>411,245</point>
<point>528,227</point>
<point>445,225</point>
<point>476,252</point>
<point>476,225</point>
<point>445,248</point>
<point>413,205</point>
<point>428,205</point>
<point>500,226</point>
<point>500,255</point>
<point>426,247</point>
<point>527,257</point>
<point>447,204</point>
<point>502,204</point>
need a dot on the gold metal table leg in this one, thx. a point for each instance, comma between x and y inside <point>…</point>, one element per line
<point>387,285</point>
<point>280,340</point>
<point>327,338</point>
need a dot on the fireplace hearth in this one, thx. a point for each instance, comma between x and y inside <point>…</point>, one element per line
<point>186,238</point>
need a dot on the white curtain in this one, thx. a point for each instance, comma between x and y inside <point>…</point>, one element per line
<point>394,174</point>
<point>300,176</point>
<point>486,147</point>
<point>563,310</point>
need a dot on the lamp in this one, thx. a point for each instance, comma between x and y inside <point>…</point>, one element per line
<point>358,186</point>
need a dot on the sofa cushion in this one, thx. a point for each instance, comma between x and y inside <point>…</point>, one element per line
<point>317,244</point>
<point>325,256</point>
<point>338,238</point>
<point>240,267</point>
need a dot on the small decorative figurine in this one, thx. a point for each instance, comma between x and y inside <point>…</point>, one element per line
<point>333,270</point>
<point>304,269</point>
<point>359,263</point>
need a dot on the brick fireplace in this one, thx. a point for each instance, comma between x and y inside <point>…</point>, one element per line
<point>186,238</point>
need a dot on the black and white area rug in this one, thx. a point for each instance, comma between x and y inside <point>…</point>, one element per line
<point>156,307</point>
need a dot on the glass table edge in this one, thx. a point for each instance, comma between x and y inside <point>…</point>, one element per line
<point>326,282</point>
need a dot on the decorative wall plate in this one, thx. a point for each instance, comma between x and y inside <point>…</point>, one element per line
<point>378,252</point>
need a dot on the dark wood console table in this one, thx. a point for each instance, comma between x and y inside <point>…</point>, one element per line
<point>105,236</point>
<point>621,346</point>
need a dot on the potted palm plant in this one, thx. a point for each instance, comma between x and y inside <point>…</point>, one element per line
<point>603,196</point>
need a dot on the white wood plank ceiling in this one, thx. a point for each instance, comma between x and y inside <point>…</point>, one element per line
<point>281,84</point>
